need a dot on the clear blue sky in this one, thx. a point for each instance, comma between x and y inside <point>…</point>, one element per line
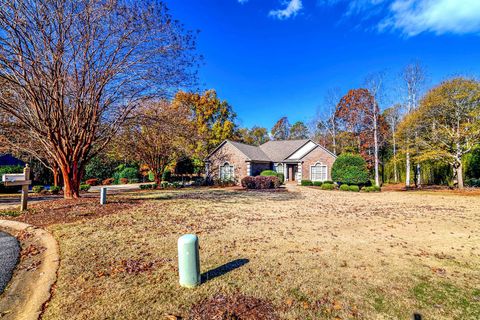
<point>274,58</point>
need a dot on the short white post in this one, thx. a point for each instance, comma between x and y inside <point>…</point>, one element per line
<point>103,195</point>
<point>24,199</point>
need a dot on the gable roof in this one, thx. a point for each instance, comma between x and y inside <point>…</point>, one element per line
<point>254,153</point>
<point>279,150</point>
<point>271,151</point>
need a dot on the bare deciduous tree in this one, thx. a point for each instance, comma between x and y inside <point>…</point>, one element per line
<point>74,69</point>
<point>414,78</point>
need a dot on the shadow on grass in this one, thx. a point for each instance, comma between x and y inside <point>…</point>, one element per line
<point>223,269</point>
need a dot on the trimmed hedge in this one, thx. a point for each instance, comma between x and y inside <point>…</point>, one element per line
<point>84,187</point>
<point>317,183</point>
<point>344,187</point>
<point>371,189</point>
<point>92,182</point>
<point>350,169</point>
<point>306,183</point>
<point>55,189</point>
<point>108,181</point>
<point>38,189</point>
<point>260,182</point>
<point>328,186</point>
<point>271,173</point>
<point>354,188</point>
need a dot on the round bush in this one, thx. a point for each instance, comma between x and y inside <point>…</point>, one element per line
<point>344,187</point>
<point>271,173</point>
<point>306,183</point>
<point>55,189</point>
<point>328,186</point>
<point>317,183</point>
<point>248,182</point>
<point>350,169</point>
<point>354,188</point>
<point>268,173</point>
<point>84,187</point>
<point>37,189</point>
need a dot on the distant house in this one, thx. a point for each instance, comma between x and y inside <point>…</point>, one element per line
<point>9,160</point>
<point>296,159</point>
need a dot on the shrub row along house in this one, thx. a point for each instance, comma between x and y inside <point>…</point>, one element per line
<point>296,159</point>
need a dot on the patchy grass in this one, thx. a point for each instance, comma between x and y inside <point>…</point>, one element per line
<point>10,213</point>
<point>304,254</point>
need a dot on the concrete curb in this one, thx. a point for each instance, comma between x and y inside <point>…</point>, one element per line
<point>32,305</point>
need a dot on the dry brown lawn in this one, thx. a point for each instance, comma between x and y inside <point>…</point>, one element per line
<point>307,253</point>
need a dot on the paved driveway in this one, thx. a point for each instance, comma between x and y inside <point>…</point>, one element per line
<point>9,253</point>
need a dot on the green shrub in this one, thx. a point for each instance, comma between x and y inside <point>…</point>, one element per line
<point>306,183</point>
<point>135,180</point>
<point>167,175</point>
<point>354,188</point>
<point>376,188</point>
<point>38,189</point>
<point>125,173</point>
<point>123,181</point>
<point>271,173</point>
<point>154,186</point>
<point>145,186</point>
<point>151,176</point>
<point>85,187</point>
<point>317,183</point>
<point>350,169</point>
<point>344,187</point>
<point>55,189</point>
<point>365,189</point>
<point>9,213</point>
<point>328,186</point>
<point>268,173</point>
<point>328,181</point>
<point>281,178</point>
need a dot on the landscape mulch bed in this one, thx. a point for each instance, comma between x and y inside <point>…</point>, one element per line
<point>52,212</point>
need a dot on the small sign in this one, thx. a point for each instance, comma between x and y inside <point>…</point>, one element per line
<point>13,177</point>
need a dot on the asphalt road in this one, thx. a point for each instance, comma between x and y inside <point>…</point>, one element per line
<point>9,254</point>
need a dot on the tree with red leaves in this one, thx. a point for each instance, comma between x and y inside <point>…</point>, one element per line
<point>359,114</point>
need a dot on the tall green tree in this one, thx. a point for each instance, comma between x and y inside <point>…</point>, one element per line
<point>299,131</point>
<point>281,129</point>
<point>448,123</point>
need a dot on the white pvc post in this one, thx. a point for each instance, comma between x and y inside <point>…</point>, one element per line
<point>103,195</point>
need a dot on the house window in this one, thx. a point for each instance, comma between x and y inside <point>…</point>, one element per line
<point>226,172</point>
<point>279,168</point>
<point>318,172</point>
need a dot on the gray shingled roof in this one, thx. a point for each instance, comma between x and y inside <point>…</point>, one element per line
<point>279,150</point>
<point>254,153</point>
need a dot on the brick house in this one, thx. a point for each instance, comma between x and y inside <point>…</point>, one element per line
<point>296,159</point>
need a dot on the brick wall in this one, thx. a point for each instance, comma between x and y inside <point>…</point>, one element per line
<point>317,155</point>
<point>228,153</point>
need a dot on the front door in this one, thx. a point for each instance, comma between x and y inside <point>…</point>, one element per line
<point>292,172</point>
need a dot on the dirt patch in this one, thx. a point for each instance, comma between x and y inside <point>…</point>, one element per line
<point>235,307</point>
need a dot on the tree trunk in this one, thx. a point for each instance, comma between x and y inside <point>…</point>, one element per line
<point>407,170</point>
<point>395,171</point>
<point>56,176</point>
<point>459,172</point>
<point>375,139</point>
<point>71,181</point>
<point>419,176</point>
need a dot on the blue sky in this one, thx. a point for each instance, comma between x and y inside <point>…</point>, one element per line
<point>274,58</point>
